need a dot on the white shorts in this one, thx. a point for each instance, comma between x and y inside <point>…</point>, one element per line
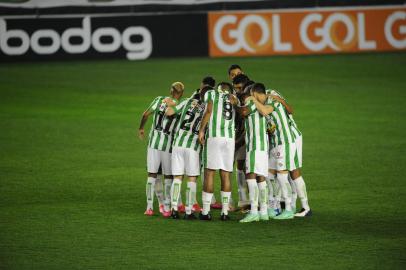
<point>157,158</point>
<point>298,157</point>
<point>257,162</point>
<point>282,157</point>
<point>240,153</point>
<point>185,161</point>
<point>219,154</point>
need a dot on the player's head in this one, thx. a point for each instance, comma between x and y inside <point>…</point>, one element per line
<point>225,87</point>
<point>203,91</point>
<point>177,89</point>
<point>208,81</point>
<point>234,70</point>
<point>258,91</point>
<point>239,82</point>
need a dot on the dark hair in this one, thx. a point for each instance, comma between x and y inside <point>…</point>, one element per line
<point>226,85</point>
<point>204,90</point>
<point>209,81</point>
<point>241,78</point>
<point>258,88</point>
<point>234,66</point>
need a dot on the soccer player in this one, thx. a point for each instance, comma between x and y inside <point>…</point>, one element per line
<point>282,153</point>
<point>233,71</point>
<point>186,151</point>
<point>256,154</point>
<point>297,182</point>
<point>240,81</point>
<point>219,148</point>
<point>159,145</point>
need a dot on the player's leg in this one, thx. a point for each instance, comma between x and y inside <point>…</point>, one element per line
<point>294,192</point>
<point>300,183</point>
<point>190,197</point>
<point>226,161</point>
<point>207,194</point>
<point>176,189</point>
<point>252,188</point>
<point>178,170</point>
<point>261,170</point>
<point>153,162</point>
<point>159,192</point>
<point>211,160</point>
<point>243,200</point>
<point>166,162</point>
<point>273,194</point>
<point>225,194</point>
<point>283,166</point>
<point>192,169</point>
<point>273,186</point>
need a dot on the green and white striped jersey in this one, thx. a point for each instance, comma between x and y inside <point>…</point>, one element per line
<point>279,117</point>
<point>221,123</point>
<point>256,138</point>
<point>160,135</point>
<point>292,123</point>
<point>187,131</point>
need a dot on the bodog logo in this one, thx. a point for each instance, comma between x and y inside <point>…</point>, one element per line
<point>307,32</point>
<point>56,41</point>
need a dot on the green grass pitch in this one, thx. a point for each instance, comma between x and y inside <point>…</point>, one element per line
<point>72,170</point>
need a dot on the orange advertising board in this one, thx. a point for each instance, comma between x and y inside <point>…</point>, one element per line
<point>307,31</point>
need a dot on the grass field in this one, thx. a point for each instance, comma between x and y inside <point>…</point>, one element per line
<point>72,170</point>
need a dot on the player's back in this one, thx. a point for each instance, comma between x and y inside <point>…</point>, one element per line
<point>222,120</point>
<point>189,122</point>
<point>255,130</point>
<point>162,125</point>
<point>280,118</point>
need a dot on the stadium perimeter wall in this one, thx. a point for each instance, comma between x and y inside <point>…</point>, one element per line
<point>316,30</point>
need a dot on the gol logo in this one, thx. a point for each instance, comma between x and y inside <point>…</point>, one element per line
<point>309,32</point>
<point>244,34</point>
<point>355,28</point>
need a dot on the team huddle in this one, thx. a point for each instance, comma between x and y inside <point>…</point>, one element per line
<point>240,123</point>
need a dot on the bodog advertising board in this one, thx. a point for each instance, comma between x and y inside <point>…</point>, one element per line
<point>307,31</point>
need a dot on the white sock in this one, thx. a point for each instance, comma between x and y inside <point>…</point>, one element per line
<point>286,190</point>
<point>213,199</point>
<point>301,192</point>
<point>206,198</point>
<point>278,194</point>
<point>263,198</point>
<point>253,194</point>
<point>167,194</point>
<point>159,190</point>
<point>225,201</point>
<point>190,195</point>
<point>294,193</point>
<point>150,192</point>
<point>242,188</point>
<point>175,193</point>
<point>270,181</point>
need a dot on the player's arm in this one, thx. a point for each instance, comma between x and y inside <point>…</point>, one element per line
<point>170,111</point>
<point>169,102</point>
<point>243,110</point>
<point>144,119</point>
<point>288,107</point>
<point>264,110</point>
<point>152,107</point>
<point>205,120</point>
<point>175,109</point>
